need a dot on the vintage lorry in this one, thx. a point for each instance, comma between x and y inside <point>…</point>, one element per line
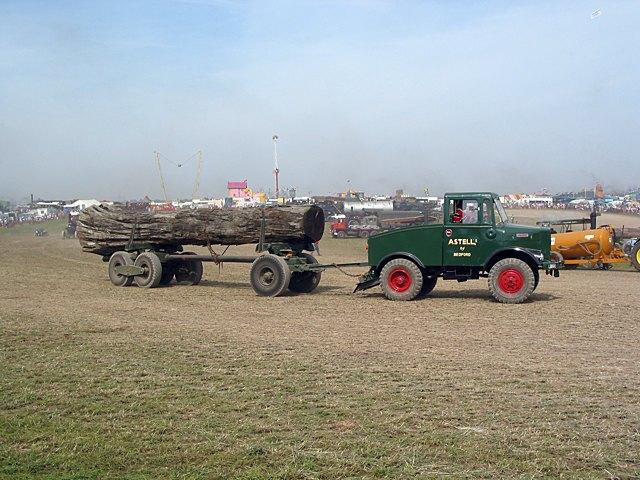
<point>475,240</point>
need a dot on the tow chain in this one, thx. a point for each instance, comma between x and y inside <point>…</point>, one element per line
<point>337,267</point>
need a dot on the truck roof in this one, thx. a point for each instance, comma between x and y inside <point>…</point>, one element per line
<point>456,195</point>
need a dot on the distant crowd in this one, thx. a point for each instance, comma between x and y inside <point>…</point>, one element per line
<point>632,208</point>
<point>8,222</point>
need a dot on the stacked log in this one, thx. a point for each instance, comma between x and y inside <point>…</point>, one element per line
<point>105,229</point>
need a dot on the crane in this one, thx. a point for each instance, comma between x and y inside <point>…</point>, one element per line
<point>159,166</point>
<point>196,186</point>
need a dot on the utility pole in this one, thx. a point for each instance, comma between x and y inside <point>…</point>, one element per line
<point>276,169</point>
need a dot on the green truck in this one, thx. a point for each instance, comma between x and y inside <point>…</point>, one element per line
<point>475,240</point>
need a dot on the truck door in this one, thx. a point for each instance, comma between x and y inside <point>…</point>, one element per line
<point>468,231</point>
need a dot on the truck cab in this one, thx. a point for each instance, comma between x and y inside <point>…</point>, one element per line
<point>474,240</point>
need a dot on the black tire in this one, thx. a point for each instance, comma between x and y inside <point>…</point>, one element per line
<point>119,259</point>
<point>511,280</point>
<point>364,234</point>
<point>188,272</point>
<point>168,272</point>
<point>635,256</point>
<point>270,275</point>
<point>305,282</point>
<point>150,262</point>
<point>401,280</point>
<point>428,284</point>
<point>341,234</point>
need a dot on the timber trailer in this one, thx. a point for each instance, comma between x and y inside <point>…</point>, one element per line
<point>276,267</point>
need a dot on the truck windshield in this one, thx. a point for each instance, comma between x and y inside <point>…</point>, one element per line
<point>502,214</point>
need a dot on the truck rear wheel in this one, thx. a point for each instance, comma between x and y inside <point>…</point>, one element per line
<point>152,267</point>
<point>270,275</point>
<point>635,256</point>
<point>511,281</point>
<point>364,234</point>
<point>119,259</point>
<point>401,279</point>
<point>305,282</point>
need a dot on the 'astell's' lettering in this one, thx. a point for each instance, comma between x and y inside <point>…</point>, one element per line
<point>463,241</point>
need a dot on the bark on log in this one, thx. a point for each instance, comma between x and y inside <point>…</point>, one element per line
<point>106,229</point>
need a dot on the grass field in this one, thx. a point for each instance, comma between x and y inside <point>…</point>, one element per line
<point>213,382</point>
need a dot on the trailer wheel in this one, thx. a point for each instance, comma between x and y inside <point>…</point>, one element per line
<point>152,267</point>
<point>305,282</point>
<point>511,281</point>
<point>168,271</point>
<point>188,272</point>
<point>119,259</point>
<point>428,284</point>
<point>270,275</point>
<point>635,256</point>
<point>401,279</point>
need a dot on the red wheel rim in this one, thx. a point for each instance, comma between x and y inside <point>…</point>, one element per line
<point>511,280</point>
<point>400,280</point>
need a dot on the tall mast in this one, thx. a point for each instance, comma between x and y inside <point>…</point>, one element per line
<point>276,169</point>
<point>196,187</point>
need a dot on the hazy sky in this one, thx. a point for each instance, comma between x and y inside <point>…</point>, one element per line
<point>504,96</point>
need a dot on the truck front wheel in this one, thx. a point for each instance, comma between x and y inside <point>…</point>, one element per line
<point>511,281</point>
<point>401,279</point>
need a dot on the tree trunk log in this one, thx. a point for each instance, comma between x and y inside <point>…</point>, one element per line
<point>106,229</point>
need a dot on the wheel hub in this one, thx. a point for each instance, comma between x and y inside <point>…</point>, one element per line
<point>400,280</point>
<point>266,276</point>
<point>511,280</point>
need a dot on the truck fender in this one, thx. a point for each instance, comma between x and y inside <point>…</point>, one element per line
<point>524,254</point>
<point>408,256</point>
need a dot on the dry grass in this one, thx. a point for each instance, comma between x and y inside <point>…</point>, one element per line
<point>214,382</point>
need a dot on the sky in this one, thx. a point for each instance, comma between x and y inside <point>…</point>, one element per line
<point>371,95</point>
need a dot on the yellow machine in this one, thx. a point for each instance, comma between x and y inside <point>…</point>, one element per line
<point>595,247</point>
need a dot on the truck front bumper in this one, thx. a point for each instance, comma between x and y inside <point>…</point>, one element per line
<point>368,280</point>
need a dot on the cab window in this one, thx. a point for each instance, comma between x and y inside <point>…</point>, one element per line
<point>487,210</point>
<point>463,211</point>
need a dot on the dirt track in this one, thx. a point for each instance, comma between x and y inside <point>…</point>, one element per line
<point>326,384</point>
